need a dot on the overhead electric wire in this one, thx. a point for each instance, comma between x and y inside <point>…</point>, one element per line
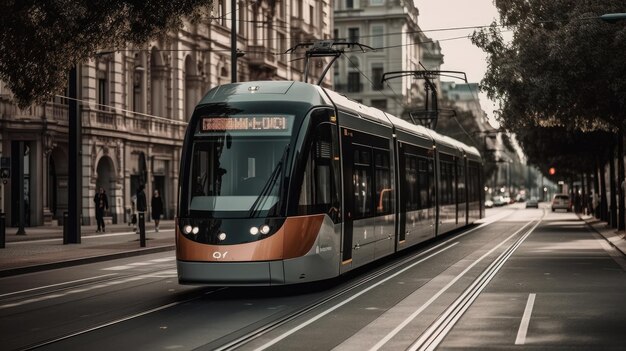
<point>89,104</point>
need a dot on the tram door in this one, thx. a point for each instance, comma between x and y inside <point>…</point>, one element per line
<point>348,195</point>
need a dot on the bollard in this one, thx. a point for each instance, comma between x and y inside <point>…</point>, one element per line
<point>142,229</point>
<point>2,231</point>
<point>66,216</point>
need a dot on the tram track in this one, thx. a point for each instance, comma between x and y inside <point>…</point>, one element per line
<point>258,332</point>
<point>21,297</point>
<point>433,336</point>
<point>236,340</point>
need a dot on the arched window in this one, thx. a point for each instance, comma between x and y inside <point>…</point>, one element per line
<point>158,96</point>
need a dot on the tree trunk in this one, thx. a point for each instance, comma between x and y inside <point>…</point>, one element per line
<point>612,190</point>
<point>604,213</point>
<point>583,196</point>
<point>621,225</point>
<point>590,193</point>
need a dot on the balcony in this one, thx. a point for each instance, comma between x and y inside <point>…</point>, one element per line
<point>262,62</point>
<point>299,26</point>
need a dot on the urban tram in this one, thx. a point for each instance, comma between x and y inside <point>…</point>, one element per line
<point>285,182</point>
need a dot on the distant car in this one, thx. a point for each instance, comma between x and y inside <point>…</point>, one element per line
<point>561,202</point>
<point>488,204</point>
<point>498,201</point>
<point>507,199</point>
<point>532,203</point>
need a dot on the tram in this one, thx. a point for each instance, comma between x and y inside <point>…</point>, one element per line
<point>285,182</point>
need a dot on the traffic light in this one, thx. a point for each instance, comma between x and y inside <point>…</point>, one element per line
<point>552,171</point>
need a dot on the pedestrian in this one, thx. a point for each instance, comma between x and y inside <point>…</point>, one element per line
<point>102,204</point>
<point>595,203</point>
<point>141,202</point>
<point>157,209</point>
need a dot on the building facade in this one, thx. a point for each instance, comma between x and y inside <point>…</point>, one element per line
<point>134,106</point>
<point>391,28</point>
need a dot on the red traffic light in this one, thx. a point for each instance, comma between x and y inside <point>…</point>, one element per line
<point>552,171</point>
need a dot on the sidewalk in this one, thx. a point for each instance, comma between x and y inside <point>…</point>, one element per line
<point>42,247</point>
<point>615,238</point>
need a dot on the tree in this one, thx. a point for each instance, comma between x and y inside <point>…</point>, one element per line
<point>41,40</point>
<point>563,68</point>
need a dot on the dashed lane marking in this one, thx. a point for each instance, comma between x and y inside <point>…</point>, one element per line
<point>523,327</point>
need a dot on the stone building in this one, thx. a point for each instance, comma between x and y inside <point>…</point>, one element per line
<point>134,105</point>
<point>391,28</point>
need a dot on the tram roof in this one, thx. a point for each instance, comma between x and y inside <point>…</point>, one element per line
<point>266,91</point>
<point>316,95</point>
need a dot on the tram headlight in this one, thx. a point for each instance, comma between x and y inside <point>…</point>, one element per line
<point>222,236</point>
<point>254,231</point>
<point>187,229</point>
<point>195,230</point>
<point>265,229</point>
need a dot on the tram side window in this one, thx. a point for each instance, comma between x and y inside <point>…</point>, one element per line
<point>412,189</point>
<point>473,184</point>
<point>424,183</point>
<point>452,184</point>
<point>362,182</point>
<point>384,193</point>
<point>431,181</point>
<point>447,183</point>
<point>319,189</point>
<point>461,182</point>
<point>444,183</point>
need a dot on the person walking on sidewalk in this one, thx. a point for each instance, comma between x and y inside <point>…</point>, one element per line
<point>157,209</point>
<point>141,202</point>
<point>102,204</point>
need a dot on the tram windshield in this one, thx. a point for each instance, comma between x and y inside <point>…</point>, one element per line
<point>238,175</point>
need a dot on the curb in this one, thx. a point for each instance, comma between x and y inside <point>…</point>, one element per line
<point>608,240</point>
<point>86,260</point>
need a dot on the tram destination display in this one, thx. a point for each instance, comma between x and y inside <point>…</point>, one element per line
<point>246,123</point>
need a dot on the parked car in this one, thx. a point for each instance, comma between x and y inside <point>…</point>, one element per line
<point>561,202</point>
<point>507,199</point>
<point>498,201</point>
<point>532,203</point>
<point>488,204</point>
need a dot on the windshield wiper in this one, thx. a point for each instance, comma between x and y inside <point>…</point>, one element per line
<point>269,185</point>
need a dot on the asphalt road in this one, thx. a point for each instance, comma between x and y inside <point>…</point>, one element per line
<point>525,278</point>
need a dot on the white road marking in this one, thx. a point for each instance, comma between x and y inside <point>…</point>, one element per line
<point>523,327</point>
<point>413,315</point>
<point>137,264</point>
<point>482,223</point>
<point>308,322</point>
<point>85,237</point>
<point>94,287</point>
<point>58,284</point>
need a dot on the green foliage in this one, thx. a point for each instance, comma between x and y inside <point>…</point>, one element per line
<point>569,152</point>
<point>563,67</point>
<point>41,40</point>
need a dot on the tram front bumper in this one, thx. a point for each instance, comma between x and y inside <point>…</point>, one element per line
<point>263,273</point>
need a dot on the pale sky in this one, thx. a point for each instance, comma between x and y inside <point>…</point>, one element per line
<point>459,54</point>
